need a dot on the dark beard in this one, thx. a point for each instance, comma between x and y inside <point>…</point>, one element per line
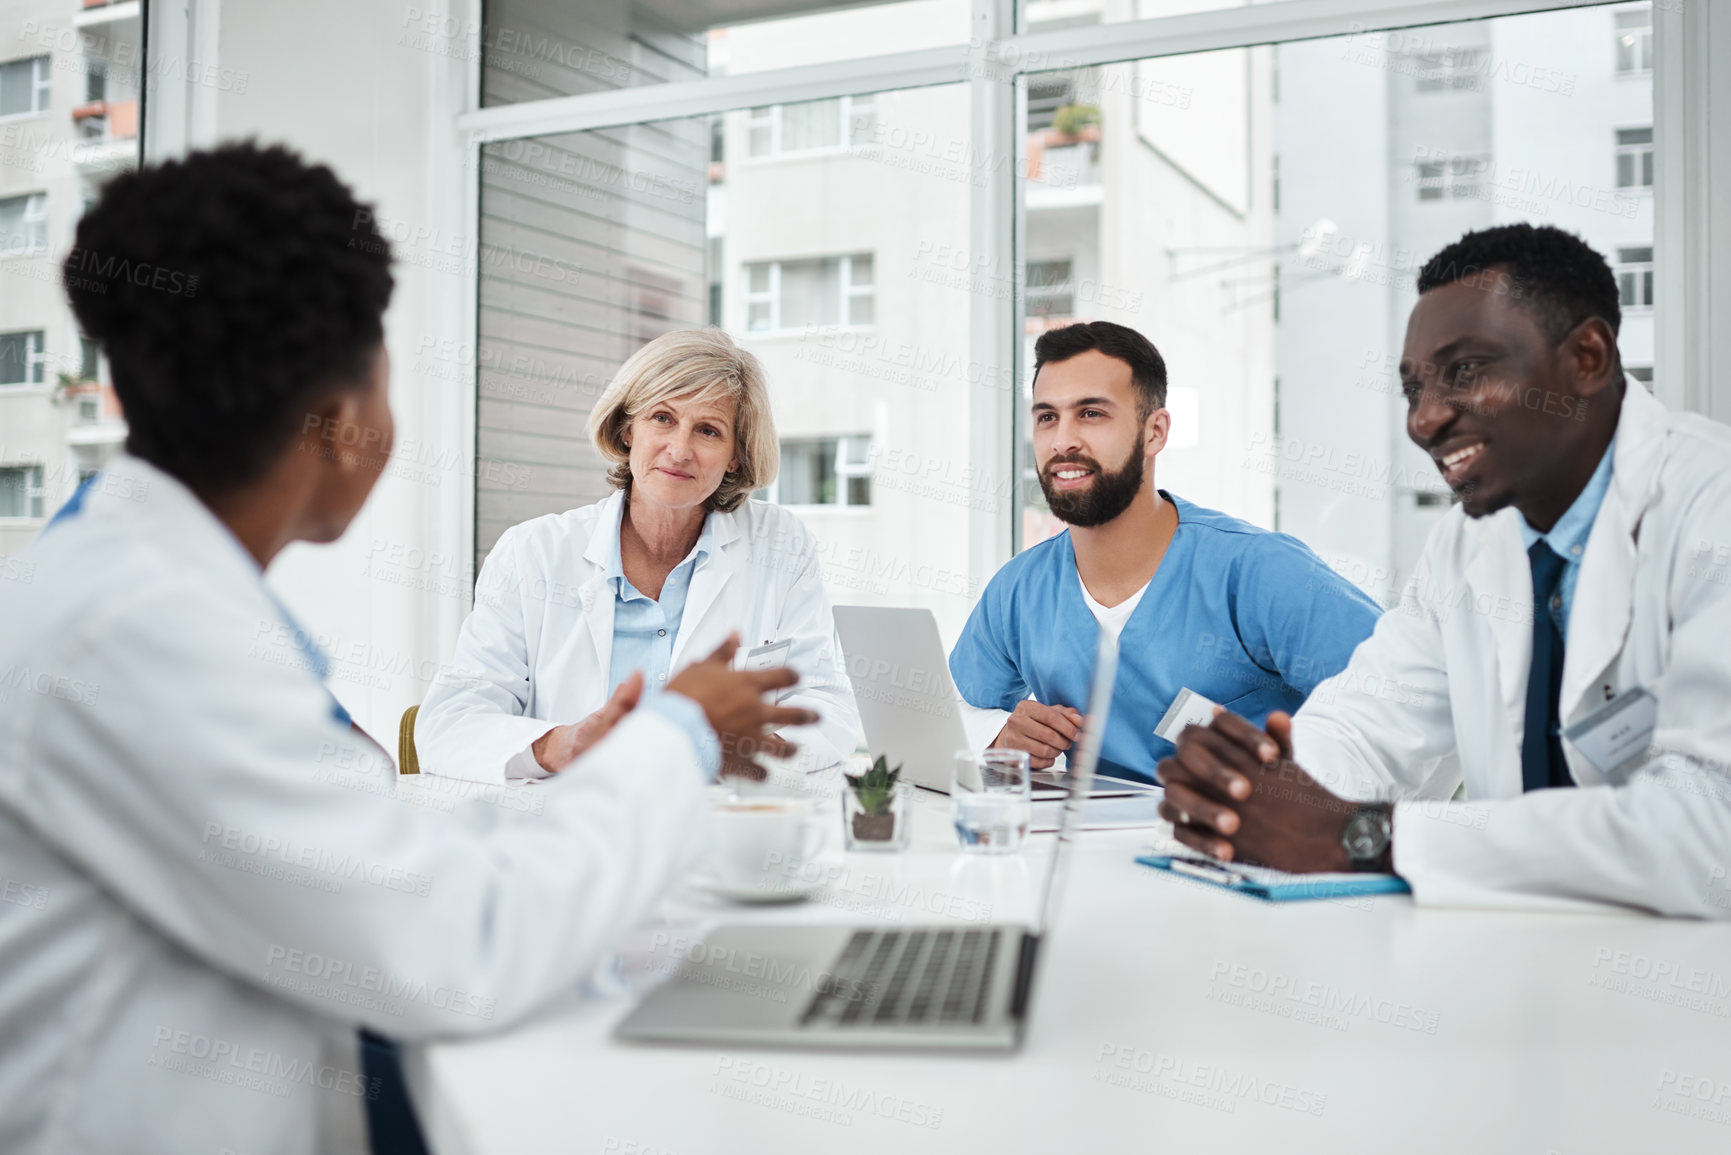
<point>1110,495</point>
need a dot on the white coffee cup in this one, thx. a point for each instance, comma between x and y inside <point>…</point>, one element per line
<point>763,844</point>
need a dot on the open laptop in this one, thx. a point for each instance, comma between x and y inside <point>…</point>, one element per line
<point>889,985</point>
<point>901,680</point>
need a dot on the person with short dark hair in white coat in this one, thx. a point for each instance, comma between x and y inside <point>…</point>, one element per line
<point>1559,657</point>
<point>217,914</point>
<point>598,605</point>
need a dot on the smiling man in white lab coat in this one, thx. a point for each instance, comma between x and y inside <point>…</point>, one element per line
<point>1563,650</point>
<point>208,884</point>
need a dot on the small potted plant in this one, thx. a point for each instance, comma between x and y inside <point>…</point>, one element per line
<point>875,808</point>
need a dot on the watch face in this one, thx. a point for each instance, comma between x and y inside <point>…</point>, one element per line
<point>1365,835</point>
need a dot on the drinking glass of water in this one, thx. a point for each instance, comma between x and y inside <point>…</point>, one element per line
<point>992,797</point>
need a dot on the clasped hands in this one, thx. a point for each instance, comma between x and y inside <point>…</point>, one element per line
<point>1234,793</point>
<point>732,701</point>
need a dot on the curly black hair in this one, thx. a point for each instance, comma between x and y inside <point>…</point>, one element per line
<point>230,289</point>
<point>1556,274</point>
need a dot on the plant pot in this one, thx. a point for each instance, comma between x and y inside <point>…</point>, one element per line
<point>886,830</point>
<point>874,827</point>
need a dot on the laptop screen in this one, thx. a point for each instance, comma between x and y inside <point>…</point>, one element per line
<point>1081,776</point>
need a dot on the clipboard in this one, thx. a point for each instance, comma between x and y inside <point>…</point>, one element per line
<point>1272,885</point>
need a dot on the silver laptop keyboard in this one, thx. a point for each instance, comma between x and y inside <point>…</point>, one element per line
<point>932,977</point>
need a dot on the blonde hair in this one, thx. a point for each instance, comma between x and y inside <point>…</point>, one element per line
<point>706,365</point>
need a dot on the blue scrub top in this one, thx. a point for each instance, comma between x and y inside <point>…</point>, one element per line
<point>1250,619</point>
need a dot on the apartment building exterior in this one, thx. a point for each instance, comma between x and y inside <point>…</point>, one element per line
<point>839,254</point>
<point>1391,146</point>
<point>69,87</point>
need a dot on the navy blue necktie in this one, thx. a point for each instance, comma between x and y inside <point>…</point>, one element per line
<point>1542,762</point>
<point>391,1124</point>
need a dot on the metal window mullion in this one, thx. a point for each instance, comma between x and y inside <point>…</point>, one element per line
<point>992,228</point>
<point>1692,229</point>
<point>714,94</point>
<point>843,276</point>
<point>1250,25</point>
<point>1009,55</point>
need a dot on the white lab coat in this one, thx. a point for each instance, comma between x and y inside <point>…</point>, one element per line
<point>1436,697</point>
<point>537,649</point>
<point>207,880</point>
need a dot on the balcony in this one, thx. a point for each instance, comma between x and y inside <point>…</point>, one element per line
<point>96,420</point>
<point>104,12</point>
<point>1063,168</point>
<point>108,135</point>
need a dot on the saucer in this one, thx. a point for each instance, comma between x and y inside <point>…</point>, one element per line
<point>787,891</point>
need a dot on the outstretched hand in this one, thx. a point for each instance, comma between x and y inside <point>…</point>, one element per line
<point>560,746</point>
<point>733,701</point>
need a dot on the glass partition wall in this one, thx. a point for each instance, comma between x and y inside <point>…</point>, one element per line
<point>889,203</point>
<point>1262,214</point>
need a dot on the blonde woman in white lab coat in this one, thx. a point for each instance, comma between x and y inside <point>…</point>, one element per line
<point>210,889</point>
<point>569,606</point>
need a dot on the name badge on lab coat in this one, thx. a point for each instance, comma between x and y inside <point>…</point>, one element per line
<point>1188,709</point>
<point>1617,733</point>
<point>768,657</point>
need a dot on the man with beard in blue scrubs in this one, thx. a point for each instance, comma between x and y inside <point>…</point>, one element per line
<point>1248,619</point>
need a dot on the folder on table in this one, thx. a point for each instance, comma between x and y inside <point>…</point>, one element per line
<point>1273,885</point>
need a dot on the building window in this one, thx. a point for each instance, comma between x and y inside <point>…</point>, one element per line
<point>23,224</point>
<point>1051,289</point>
<point>811,126</point>
<point>824,471</point>
<point>1635,42</point>
<point>1452,178</point>
<point>22,361</point>
<point>1047,93</point>
<point>89,358</point>
<point>803,294</point>
<point>21,491</point>
<point>1641,373</point>
<point>1635,278</point>
<point>24,86</point>
<point>1451,70</point>
<point>1634,158</point>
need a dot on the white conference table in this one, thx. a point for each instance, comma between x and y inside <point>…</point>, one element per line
<point>1168,1016</point>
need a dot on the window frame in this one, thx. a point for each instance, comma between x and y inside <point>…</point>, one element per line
<point>35,359</point>
<point>847,293</point>
<point>1641,155</point>
<point>770,118</point>
<point>35,493</point>
<point>1000,54</point>
<point>1643,46</point>
<point>41,86</point>
<point>1628,265</point>
<point>1062,289</point>
<point>35,212</point>
<point>842,471</point>
<point>1440,72</point>
<point>1451,182</point>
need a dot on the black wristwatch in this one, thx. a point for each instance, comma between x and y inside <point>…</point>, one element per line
<point>1366,836</point>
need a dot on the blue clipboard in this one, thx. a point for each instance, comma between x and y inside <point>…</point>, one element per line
<point>1274,885</point>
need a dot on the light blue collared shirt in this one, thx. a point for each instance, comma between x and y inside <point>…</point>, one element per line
<point>644,631</point>
<point>1568,538</point>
